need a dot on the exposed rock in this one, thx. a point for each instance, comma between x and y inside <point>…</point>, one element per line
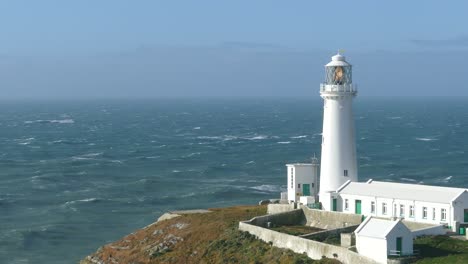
<point>158,232</point>
<point>180,225</point>
<point>164,246</point>
<point>167,216</point>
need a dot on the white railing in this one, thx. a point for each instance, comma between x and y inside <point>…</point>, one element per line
<point>342,88</point>
<point>397,253</point>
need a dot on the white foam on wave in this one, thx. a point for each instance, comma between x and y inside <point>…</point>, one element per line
<point>394,117</point>
<point>284,142</point>
<point>250,162</point>
<point>302,136</point>
<point>88,156</point>
<point>208,137</point>
<point>259,137</point>
<point>192,154</point>
<point>196,128</point>
<point>447,179</point>
<point>95,154</point>
<point>86,200</point>
<point>25,141</point>
<point>223,138</point>
<point>58,121</point>
<point>409,179</point>
<point>426,139</point>
<point>267,188</point>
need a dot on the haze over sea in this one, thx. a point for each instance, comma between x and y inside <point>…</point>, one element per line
<point>77,175</point>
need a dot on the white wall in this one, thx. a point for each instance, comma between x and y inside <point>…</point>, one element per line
<point>374,248</point>
<point>301,174</point>
<point>459,205</point>
<point>418,208</point>
<point>400,230</point>
<point>338,142</point>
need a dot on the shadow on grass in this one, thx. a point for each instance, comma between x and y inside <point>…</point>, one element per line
<point>428,251</point>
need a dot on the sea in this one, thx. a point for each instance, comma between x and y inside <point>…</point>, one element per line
<point>75,175</point>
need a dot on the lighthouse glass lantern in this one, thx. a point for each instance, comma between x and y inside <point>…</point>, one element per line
<point>338,71</point>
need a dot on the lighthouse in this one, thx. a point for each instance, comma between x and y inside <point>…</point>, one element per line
<point>338,160</point>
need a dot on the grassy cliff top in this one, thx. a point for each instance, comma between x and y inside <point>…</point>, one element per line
<point>197,238</point>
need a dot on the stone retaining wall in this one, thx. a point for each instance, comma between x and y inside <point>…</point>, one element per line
<point>313,249</point>
<point>326,233</point>
<point>279,208</point>
<point>429,231</point>
<point>330,220</point>
<point>294,217</point>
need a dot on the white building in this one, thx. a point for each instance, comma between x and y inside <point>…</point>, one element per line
<point>338,186</point>
<point>303,181</point>
<point>338,163</point>
<point>379,238</point>
<point>412,202</point>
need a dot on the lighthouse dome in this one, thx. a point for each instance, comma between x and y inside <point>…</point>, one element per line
<point>338,60</point>
<point>338,57</point>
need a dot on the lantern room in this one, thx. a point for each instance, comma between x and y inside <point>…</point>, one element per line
<point>338,71</point>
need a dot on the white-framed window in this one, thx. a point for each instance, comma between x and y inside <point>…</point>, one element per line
<point>402,210</point>
<point>433,213</point>
<point>394,210</point>
<point>424,211</point>
<point>411,211</point>
<point>384,208</point>
<point>372,207</point>
<point>345,173</point>
<point>298,185</point>
<point>346,204</point>
<point>443,214</point>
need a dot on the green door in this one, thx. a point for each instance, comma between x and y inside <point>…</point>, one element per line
<point>306,189</point>
<point>398,245</point>
<point>462,231</point>
<point>466,216</point>
<point>357,207</point>
<point>334,205</point>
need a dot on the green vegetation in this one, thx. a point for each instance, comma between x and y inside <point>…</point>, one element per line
<point>441,249</point>
<point>296,230</point>
<point>333,239</point>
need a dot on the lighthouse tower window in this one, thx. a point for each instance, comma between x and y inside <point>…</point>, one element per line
<point>345,173</point>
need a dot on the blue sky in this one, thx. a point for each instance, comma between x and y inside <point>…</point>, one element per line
<point>61,49</point>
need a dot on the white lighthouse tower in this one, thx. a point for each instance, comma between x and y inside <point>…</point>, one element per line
<point>338,161</point>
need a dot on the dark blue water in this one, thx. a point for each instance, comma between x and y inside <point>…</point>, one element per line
<point>76,175</point>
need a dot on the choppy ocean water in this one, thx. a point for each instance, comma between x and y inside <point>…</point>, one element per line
<point>77,175</point>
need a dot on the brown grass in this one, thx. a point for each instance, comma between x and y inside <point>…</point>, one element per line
<point>207,238</point>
